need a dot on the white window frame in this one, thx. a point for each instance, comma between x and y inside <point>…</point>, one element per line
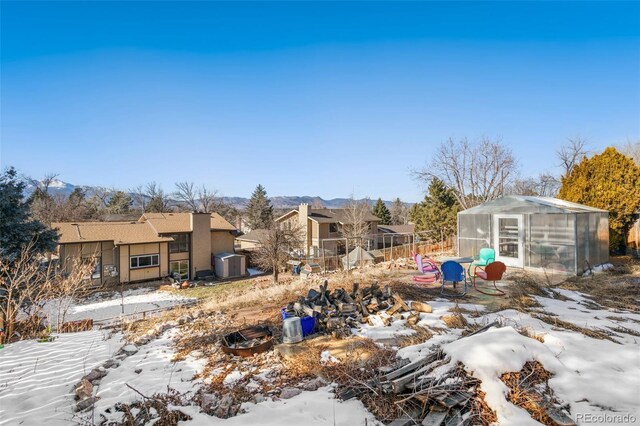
<point>154,256</point>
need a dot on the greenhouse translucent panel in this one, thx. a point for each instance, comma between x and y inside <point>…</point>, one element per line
<point>474,233</point>
<point>552,242</point>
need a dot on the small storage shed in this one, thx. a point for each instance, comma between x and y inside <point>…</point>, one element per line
<point>230,265</point>
<point>536,233</point>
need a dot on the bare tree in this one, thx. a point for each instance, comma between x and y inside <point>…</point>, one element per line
<point>209,199</point>
<point>571,153</point>
<point>187,195</point>
<point>355,223</point>
<point>475,172</point>
<point>399,212</point>
<point>22,288</point>
<point>65,290</point>
<point>275,247</point>
<point>139,197</point>
<point>545,185</point>
<point>632,150</point>
<point>158,200</point>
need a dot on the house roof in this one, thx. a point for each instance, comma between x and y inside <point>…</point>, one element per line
<point>527,204</point>
<point>255,236</point>
<point>331,216</point>
<point>118,232</point>
<point>397,229</point>
<point>166,223</point>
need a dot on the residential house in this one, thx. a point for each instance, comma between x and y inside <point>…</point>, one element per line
<point>154,246</point>
<point>322,224</point>
<point>251,240</point>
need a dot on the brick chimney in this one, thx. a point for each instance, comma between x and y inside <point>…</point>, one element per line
<point>303,221</point>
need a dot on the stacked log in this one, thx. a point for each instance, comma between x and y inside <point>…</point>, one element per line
<point>337,311</point>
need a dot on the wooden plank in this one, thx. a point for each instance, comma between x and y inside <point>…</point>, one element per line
<point>413,366</point>
<point>454,398</point>
<point>454,418</point>
<point>435,417</point>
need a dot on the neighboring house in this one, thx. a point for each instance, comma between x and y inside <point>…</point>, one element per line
<point>321,224</point>
<point>251,240</point>
<point>395,234</point>
<point>154,246</point>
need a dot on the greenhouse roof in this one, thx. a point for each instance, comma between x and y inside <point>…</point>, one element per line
<point>528,204</point>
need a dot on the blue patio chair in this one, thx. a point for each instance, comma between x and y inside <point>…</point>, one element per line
<point>453,272</point>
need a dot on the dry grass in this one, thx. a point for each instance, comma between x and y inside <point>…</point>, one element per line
<point>618,288</point>
<point>524,390</point>
<point>521,290</point>
<point>421,335</point>
<point>594,333</point>
<point>456,319</point>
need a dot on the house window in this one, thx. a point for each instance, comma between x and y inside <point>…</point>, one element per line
<point>179,268</point>
<point>144,261</point>
<point>333,227</point>
<point>180,243</point>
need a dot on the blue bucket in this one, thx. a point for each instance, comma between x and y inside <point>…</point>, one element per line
<point>285,314</point>
<point>308,325</point>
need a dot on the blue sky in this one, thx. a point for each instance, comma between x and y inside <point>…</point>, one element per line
<point>307,98</point>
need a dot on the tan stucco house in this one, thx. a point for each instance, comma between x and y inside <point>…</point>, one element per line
<point>154,246</point>
<point>322,224</point>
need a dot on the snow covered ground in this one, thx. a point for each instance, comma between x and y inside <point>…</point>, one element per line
<point>37,379</point>
<point>593,376</point>
<point>105,306</point>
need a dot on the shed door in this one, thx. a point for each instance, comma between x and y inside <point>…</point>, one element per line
<point>508,236</point>
<point>234,266</point>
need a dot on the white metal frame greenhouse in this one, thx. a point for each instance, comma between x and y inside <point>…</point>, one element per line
<point>537,233</point>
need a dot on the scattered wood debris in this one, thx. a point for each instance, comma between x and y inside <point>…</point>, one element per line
<point>428,395</point>
<point>337,311</point>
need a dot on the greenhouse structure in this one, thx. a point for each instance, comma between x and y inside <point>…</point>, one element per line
<point>536,233</point>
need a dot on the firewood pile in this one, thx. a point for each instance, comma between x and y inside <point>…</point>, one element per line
<point>337,311</point>
<point>426,395</point>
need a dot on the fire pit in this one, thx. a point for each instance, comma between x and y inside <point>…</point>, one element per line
<point>248,341</point>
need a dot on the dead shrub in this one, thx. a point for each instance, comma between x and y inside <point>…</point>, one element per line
<point>529,389</point>
<point>589,332</point>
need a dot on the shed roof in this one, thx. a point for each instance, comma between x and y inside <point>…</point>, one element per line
<point>118,232</point>
<point>529,204</point>
<point>165,223</point>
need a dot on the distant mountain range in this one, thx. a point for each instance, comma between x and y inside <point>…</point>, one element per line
<point>58,187</point>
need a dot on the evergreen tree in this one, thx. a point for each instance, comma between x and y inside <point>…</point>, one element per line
<point>609,181</point>
<point>259,210</point>
<point>120,203</point>
<point>438,211</point>
<point>18,230</point>
<point>381,211</point>
<point>398,213</point>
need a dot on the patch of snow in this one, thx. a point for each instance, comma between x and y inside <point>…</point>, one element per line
<point>310,408</point>
<point>233,377</point>
<point>156,372</point>
<point>379,331</point>
<point>37,379</point>
<point>327,358</point>
<point>134,301</point>
<point>254,271</point>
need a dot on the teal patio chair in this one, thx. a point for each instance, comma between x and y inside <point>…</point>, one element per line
<point>486,256</point>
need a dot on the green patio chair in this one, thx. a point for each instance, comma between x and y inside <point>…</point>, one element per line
<point>486,256</point>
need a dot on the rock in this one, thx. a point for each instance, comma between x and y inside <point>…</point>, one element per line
<point>314,384</point>
<point>142,340</point>
<point>258,398</point>
<point>184,319</point>
<point>171,324</point>
<point>138,370</point>
<point>209,401</point>
<point>95,374</point>
<point>111,363</point>
<point>83,389</point>
<point>86,403</point>
<point>197,353</point>
<point>287,393</point>
<point>198,314</point>
<point>130,350</point>
<point>224,408</point>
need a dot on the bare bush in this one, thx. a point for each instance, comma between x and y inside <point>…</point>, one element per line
<point>275,247</point>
